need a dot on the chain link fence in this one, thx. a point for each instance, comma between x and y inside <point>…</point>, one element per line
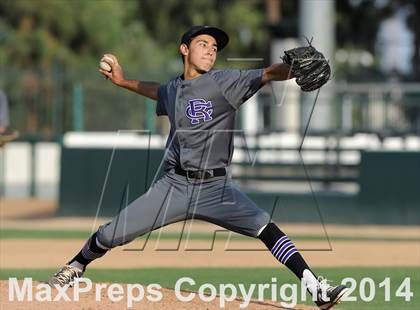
<point>48,103</point>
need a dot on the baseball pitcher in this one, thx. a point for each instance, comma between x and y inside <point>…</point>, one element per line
<point>201,106</point>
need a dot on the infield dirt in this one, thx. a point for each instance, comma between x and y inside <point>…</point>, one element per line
<point>168,302</point>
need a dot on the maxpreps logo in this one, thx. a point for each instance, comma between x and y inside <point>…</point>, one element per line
<point>199,110</point>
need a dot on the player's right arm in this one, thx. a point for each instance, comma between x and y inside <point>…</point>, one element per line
<point>148,89</point>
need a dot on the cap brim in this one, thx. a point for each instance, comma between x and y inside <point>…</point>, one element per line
<point>221,37</point>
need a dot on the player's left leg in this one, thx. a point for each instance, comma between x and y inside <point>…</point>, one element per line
<point>286,252</point>
<point>221,202</point>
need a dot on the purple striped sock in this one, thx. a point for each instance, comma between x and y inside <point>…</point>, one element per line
<point>283,249</point>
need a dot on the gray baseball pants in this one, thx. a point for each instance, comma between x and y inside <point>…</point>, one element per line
<point>175,198</point>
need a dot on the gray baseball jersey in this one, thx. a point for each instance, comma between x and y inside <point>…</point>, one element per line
<point>202,115</point>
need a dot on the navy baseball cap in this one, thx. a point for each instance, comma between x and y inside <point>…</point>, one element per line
<point>220,36</point>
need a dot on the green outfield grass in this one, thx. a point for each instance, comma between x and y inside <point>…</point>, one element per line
<point>167,278</point>
<point>69,234</point>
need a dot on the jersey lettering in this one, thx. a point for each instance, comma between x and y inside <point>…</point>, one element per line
<point>199,110</point>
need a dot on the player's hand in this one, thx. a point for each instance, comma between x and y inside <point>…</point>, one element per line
<point>116,75</point>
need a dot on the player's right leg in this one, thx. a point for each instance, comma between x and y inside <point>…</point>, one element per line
<point>146,213</point>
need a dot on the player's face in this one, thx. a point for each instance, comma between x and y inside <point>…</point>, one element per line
<point>202,52</point>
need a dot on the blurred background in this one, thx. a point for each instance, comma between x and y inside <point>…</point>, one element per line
<point>360,151</point>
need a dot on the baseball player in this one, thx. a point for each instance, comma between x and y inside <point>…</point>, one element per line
<point>201,106</point>
<point>6,133</point>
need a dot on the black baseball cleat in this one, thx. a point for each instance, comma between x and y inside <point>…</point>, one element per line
<point>328,296</point>
<point>65,276</point>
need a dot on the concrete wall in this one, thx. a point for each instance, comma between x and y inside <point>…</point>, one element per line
<point>19,161</point>
<point>30,169</point>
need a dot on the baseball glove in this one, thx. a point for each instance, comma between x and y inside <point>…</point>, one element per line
<point>309,67</point>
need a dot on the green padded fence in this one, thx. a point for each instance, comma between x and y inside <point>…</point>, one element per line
<point>93,182</point>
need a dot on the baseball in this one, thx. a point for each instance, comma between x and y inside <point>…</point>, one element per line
<point>104,65</point>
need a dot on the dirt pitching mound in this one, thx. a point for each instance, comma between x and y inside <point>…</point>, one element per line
<point>100,300</point>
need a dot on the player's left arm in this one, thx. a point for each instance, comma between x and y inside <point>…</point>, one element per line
<point>277,72</point>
